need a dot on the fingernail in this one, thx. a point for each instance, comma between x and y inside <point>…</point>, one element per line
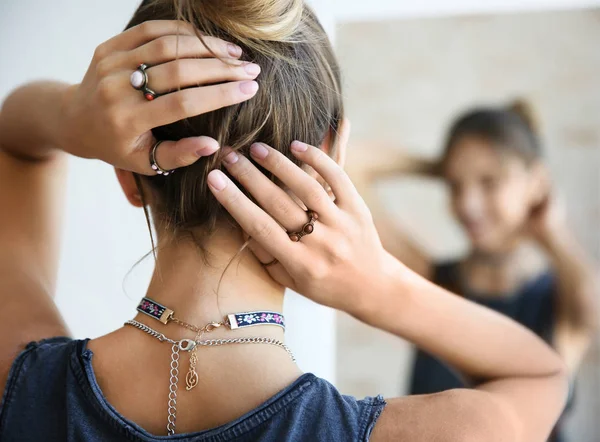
<point>234,50</point>
<point>209,146</point>
<point>205,151</point>
<point>259,151</point>
<point>252,69</point>
<point>216,179</point>
<point>299,146</point>
<point>249,87</point>
<point>231,158</point>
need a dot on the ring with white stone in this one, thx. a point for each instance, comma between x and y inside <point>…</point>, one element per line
<point>154,165</point>
<point>139,81</point>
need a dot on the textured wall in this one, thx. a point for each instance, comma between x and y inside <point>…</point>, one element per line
<point>405,80</point>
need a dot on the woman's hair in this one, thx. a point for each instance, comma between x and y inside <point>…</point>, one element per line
<point>511,129</point>
<point>299,97</point>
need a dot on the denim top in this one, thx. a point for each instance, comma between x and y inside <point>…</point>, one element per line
<point>52,395</point>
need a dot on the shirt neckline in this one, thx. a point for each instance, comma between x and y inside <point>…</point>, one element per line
<point>82,365</point>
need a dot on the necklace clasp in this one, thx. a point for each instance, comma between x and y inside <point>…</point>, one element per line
<point>187,345</point>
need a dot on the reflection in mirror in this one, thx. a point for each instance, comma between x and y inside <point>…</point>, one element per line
<point>477,147</point>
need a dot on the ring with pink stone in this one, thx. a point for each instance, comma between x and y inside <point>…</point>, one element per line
<point>139,81</point>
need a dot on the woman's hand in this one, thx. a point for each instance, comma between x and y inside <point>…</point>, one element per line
<point>105,118</point>
<point>547,220</point>
<point>337,265</point>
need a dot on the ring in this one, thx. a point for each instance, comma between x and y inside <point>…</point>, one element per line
<point>139,81</point>
<point>307,229</point>
<point>154,165</point>
<point>270,263</point>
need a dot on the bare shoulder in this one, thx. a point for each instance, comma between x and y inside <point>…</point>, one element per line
<point>459,415</point>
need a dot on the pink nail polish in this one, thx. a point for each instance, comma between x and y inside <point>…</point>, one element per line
<point>234,50</point>
<point>216,179</point>
<point>252,69</point>
<point>299,146</point>
<point>258,150</point>
<point>231,158</point>
<point>249,87</point>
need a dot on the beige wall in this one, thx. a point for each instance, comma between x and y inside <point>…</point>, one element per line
<point>405,80</point>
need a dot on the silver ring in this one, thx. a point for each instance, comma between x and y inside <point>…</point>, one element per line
<point>139,81</point>
<point>154,165</point>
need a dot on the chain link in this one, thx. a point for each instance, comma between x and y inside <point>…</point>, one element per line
<point>173,381</point>
<point>183,344</point>
<point>150,331</point>
<point>255,340</point>
<point>207,328</point>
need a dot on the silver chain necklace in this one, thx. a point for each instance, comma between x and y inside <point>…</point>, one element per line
<point>189,345</point>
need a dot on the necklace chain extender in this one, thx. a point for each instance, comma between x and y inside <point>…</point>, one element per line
<point>189,345</point>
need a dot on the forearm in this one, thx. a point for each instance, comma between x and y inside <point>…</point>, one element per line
<point>30,120</point>
<point>480,343</point>
<point>578,287</point>
<point>369,163</point>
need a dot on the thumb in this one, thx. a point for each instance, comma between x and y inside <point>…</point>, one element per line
<point>171,155</point>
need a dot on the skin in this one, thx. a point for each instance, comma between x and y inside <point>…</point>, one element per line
<point>502,203</point>
<point>342,265</point>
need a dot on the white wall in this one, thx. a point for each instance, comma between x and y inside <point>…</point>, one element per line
<point>358,10</point>
<point>105,236</point>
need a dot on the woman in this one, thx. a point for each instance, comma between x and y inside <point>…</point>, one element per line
<point>500,194</point>
<point>155,377</point>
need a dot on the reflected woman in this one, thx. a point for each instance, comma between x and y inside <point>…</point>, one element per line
<point>501,195</point>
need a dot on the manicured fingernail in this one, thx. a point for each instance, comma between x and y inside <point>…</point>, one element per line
<point>252,69</point>
<point>259,151</point>
<point>205,151</point>
<point>209,146</point>
<point>231,158</point>
<point>299,146</point>
<point>216,179</point>
<point>249,87</point>
<point>234,50</point>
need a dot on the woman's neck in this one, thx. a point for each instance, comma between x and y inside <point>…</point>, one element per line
<point>199,288</point>
<point>502,273</point>
<point>204,286</point>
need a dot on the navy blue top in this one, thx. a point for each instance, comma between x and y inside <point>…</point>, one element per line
<point>532,306</point>
<point>52,395</point>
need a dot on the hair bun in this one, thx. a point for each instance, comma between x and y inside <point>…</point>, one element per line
<point>524,109</point>
<point>268,20</point>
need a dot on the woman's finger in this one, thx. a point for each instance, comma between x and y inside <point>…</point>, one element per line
<point>252,219</point>
<point>305,187</point>
<point>345,193</point>
<point>184,73</point>
<point>143,33</point>
<point>172,155</point>
<point>271,265</point>
<point>190,102</point>
<point>171,47</point>
<point>273,199</point>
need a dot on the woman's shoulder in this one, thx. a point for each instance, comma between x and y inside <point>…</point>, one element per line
<point>38,370</point>
<point>341,413</point>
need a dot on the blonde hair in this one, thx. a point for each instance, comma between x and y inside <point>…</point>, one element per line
<point>299,97</point>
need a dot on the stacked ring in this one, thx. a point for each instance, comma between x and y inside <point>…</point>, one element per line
<point>139,81</point>
<point>154,165</point>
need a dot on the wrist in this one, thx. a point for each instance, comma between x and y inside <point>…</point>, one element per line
<point>553,240</point>
<point>59,132</point>
<point>391,281</point>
